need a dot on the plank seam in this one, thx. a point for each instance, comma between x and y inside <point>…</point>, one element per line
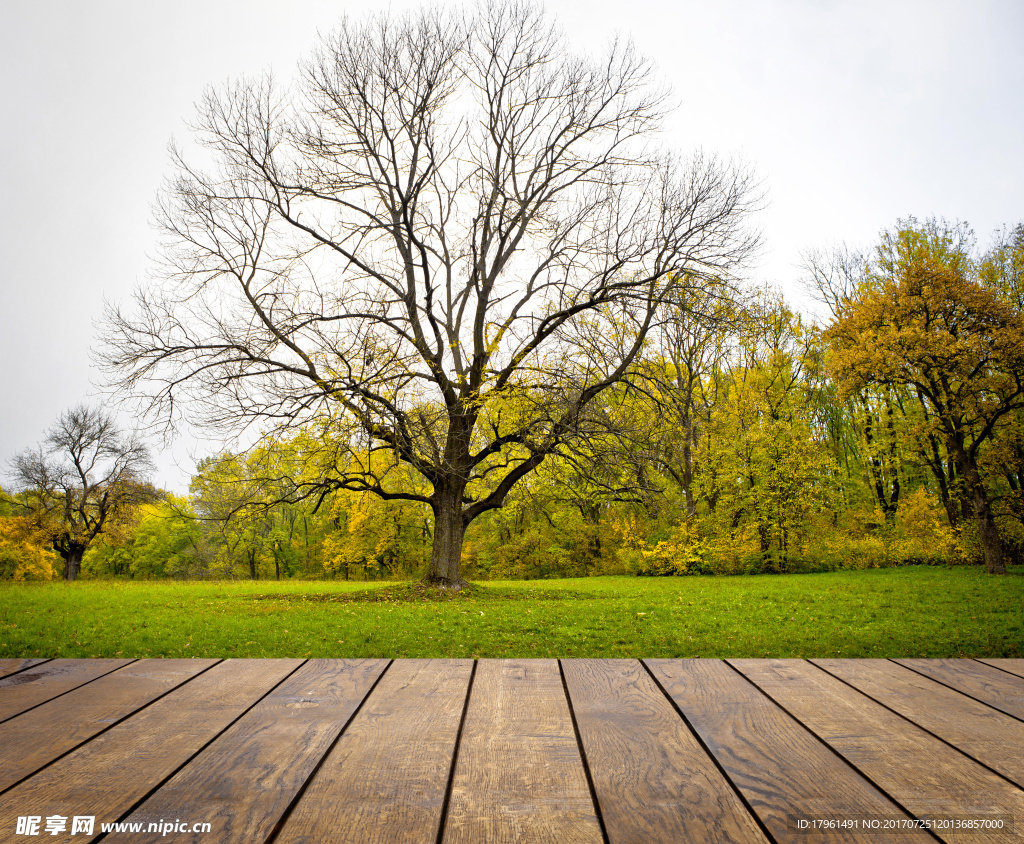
<point>959,691</point>
<point>583,757</point>
<point>120,720</point>
<point>276,829</point>
<point>959,750</point>
<point>455,756</point>
<point>68,691</point>
<point>42,661</point>
<point>710,755</point>
<point>832,750</point>
<point>128,812</point>
<point>1013,674</point>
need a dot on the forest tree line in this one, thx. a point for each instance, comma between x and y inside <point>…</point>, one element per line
<point>748,438</point>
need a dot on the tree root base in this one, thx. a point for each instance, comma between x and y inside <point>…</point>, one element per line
<point>442,584</point>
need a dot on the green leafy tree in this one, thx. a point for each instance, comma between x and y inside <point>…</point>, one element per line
<point>693,350</point>
<point>374,538</point>
<point>169,542</point>
<point>768,468</point>
<point>1002,271</point>
<point>228,495</point>
<point>886,429</point>
<point>161,539</point>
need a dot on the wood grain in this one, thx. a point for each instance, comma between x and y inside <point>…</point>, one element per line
<point>37,737</point>
<point>653,780</point>
<point>996,688</point>
<point>13,666</point>
<point>1013,666</point>
<point>978,730</point>
<point>921,773</point>
<point>253,747</point>
<point>116,769</point>
<point>386,778</point>
<point>783,771</point>
<point>20,692</point>
<point>519,775</point>
<point>245,780</point>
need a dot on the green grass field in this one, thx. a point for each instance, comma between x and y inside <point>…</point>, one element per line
<point>911,612</point>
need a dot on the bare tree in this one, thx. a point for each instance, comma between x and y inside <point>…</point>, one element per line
<point>693,351</point>
<point>437,250</point>
<point>83,474</point>
<point>835,277</point>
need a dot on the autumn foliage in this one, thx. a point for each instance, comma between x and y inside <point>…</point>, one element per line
<point>958,346</point>
<point>748,438</point>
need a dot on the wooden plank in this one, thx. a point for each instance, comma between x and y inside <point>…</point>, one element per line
<point>386,778</point>
<point>114,771</point>
<point>20,692</point>
<point>519,775</point>
<point>37,737</point>
<point>928,778</point>
<point>992,738</point>
<point>996,688</point>
<point>783,771</point>
<point>1013,666</point>
<point>244,782</point>
<point>654,782</point>
<point>13,666</point>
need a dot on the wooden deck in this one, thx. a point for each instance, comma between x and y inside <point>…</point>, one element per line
<point>289,751</point>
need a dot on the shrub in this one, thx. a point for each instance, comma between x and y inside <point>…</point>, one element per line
<point>682,552</point>
<point>26,561</point>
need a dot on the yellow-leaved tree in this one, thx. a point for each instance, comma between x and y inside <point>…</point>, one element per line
<point>25,548</point>
<point>933,327</point>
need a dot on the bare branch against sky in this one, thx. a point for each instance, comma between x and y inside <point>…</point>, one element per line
<point>434,252</point>
<point>853,113</point>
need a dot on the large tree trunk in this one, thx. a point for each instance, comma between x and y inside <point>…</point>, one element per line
<point>73,562</point>
<point>987,529</point>
<point>990,540</point>
<point>449,532</point>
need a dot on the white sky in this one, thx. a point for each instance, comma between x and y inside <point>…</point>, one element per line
<point>853,113</point>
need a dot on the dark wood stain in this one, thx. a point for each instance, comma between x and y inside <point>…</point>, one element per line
<point>998,689</point>
<point>244,781</point>
<point>386,779</point>
<point>20,692</point>
<point>108,775</point>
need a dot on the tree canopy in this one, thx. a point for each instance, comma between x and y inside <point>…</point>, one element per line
<point>925,323</point>
<point>79,479</point>
<point>436,250</point>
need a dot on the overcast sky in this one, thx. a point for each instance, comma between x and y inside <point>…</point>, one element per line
<point>853,114</point>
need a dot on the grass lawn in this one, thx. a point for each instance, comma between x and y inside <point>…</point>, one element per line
<point>915,611</point>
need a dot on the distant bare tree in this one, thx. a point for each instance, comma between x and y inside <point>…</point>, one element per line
<point>82,475</point>
<point>437,250</point>
<point>835,277</point>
